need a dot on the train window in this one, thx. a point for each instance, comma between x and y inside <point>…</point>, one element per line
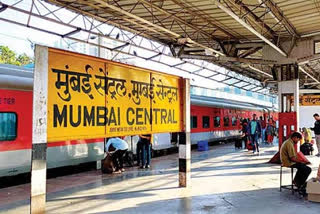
<point>226,121</point>
<point>216,121</point>
<point>194,121</point>
<point>234,121</point>
<point>205,122</point>
<point>8,126</point>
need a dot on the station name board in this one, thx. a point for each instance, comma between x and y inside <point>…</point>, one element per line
<point>310,100</point>
<point>90,97</point>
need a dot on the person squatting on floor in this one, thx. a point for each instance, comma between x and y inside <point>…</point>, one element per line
<point>254,130</point>
<point>316,130</point>
<point>115,149</point>
<point>146,150</point>
<point>289,158</point>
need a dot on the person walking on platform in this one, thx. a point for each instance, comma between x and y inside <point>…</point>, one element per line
<point>254,130</point>
<point>244,132</point>
<point>270,132</point>
<point>116,148</point>
<point>316,130</point>
<point>263,129</point>
<point>289,158</point>
<point>146,150</point>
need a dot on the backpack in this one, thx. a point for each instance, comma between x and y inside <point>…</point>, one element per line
<point>107,165</point>
<point>306,148</point>
<point>129,158</point>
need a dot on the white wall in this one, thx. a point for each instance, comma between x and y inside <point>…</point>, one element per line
<point>306,116</point>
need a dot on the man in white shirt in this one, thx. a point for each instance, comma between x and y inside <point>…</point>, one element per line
<point>116,148</point>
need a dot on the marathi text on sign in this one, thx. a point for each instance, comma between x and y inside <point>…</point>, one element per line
<point>90,97</point>
<point>310,100</point>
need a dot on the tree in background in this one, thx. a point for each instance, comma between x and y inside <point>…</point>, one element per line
<point>8,56</point>
<point>24,59</point>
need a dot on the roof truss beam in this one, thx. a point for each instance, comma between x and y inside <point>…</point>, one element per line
<point>3,7</point>
<point>176,18</point>
<point>251,29</point>
<point>150,24</point>
<point>257,19</point>
<point>123,38</point>
<point>309,75</point>
<point>279,15</point>
<point>201,16</point>
<point>57,3</point>
<point>249,52</point>
<point>249,45</point>
<point>228,59</point>
<point>77,30</point>
<point>121,46</point>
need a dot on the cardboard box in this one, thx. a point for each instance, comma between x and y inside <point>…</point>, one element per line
<point>313,190</point>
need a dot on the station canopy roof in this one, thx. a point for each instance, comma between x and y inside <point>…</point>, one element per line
<point>247,37</point>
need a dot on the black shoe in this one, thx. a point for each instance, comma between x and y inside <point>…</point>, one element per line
<point>147,166</point>
<point>142,167</point>
<point>302,191</point>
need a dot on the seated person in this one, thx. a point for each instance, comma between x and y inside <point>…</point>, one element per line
<point>289,158</point>
<point>115,149</point>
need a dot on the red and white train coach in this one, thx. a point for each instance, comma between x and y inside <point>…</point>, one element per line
<point>16,129</point>
<point>220,119</point>
<point>212,119</point>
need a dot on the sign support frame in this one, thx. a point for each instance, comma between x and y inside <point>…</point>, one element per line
<point>40,123</point>
<point>184,139</point>
<point>39,132</point>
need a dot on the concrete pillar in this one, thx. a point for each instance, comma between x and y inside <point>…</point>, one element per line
<point>39,132</point>
<point>288,92</point>
<point>184,140</point>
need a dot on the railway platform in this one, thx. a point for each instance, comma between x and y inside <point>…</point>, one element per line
<point>224,180</point>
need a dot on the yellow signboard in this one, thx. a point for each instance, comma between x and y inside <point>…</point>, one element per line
<point>90,97</point>
<point>310,100</point>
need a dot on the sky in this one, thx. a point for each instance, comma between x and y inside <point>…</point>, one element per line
<point>19,39</point>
